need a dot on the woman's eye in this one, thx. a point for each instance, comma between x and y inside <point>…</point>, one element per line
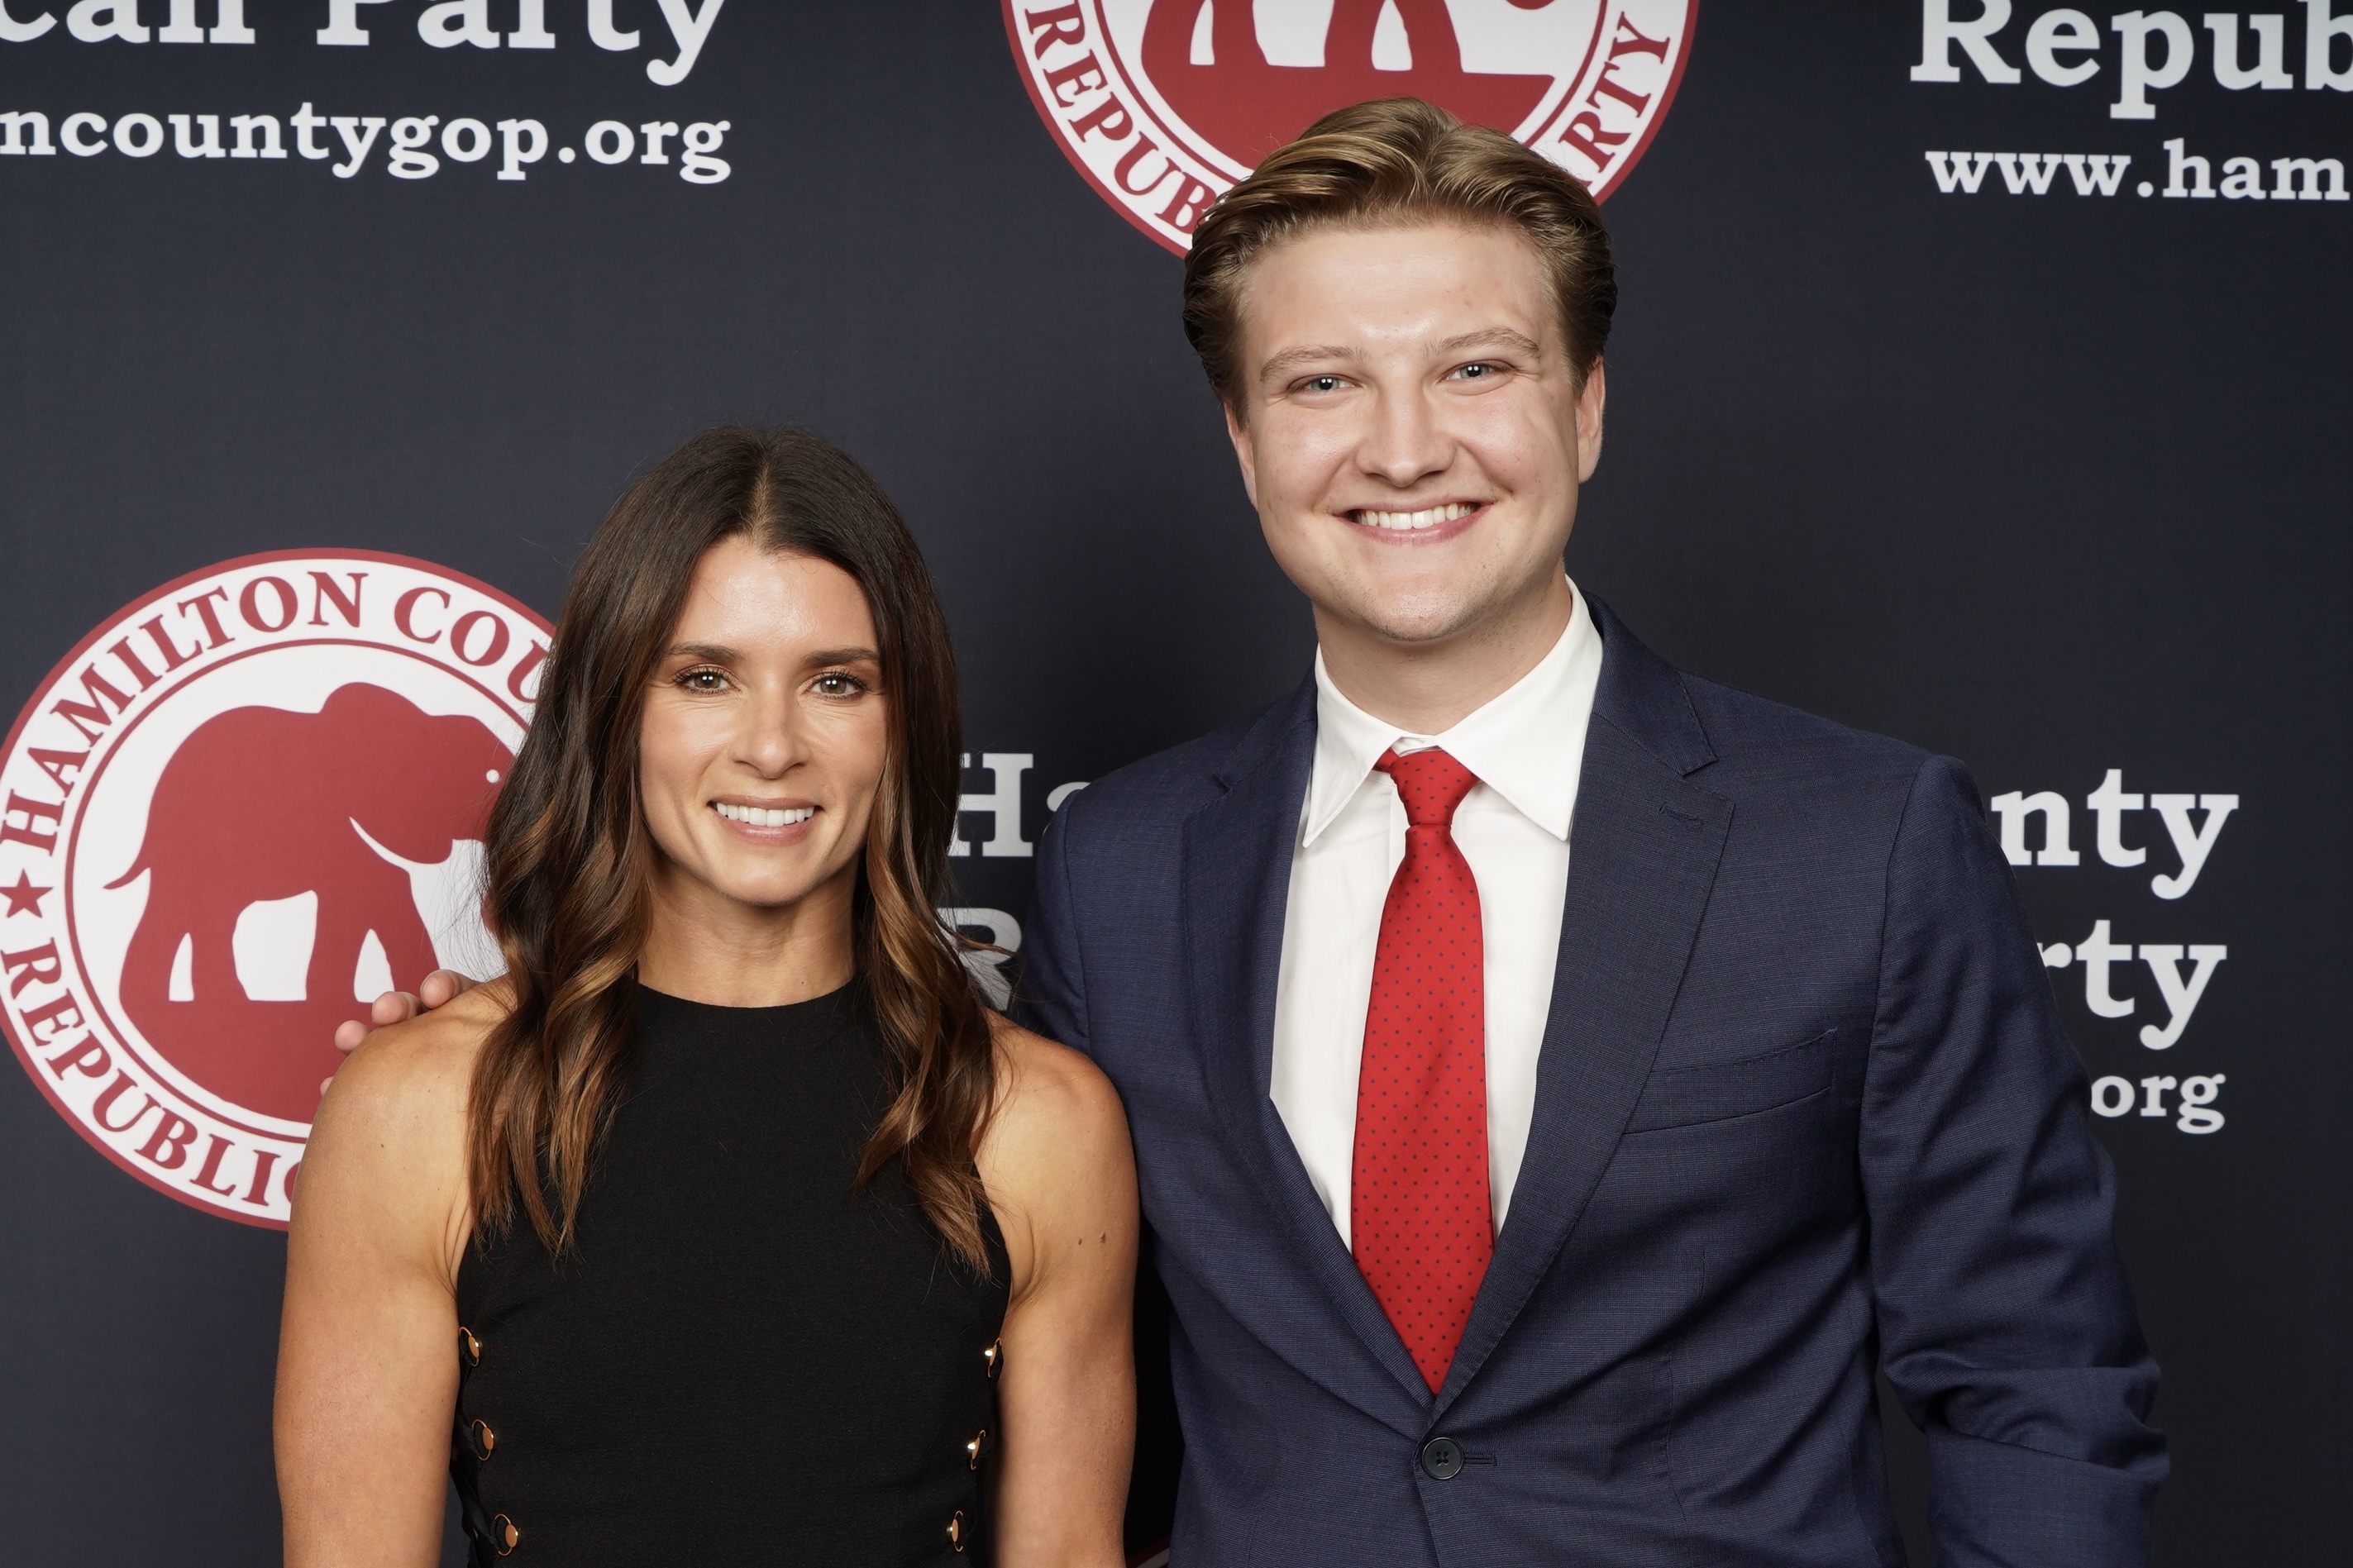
<point>703,680</point>
<point>839,684</point>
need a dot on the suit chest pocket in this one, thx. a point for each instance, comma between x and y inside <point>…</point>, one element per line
<point>1685,1097</point>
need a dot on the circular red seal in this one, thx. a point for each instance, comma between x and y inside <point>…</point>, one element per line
<point>248,803</point>
<point>1163,104</point>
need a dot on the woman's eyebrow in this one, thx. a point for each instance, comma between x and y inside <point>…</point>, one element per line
<point>720,653</point>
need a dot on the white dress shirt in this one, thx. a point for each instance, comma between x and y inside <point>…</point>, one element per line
<point>1527,747</point>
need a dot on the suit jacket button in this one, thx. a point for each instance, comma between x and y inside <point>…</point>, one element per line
<point>1442,1458</point>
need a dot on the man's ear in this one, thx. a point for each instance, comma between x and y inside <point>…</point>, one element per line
<point>1238,431</point>
<point>1590,399</point>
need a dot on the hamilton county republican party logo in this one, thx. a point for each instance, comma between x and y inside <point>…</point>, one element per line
<point>246,803</point>
<point>1163,104</point>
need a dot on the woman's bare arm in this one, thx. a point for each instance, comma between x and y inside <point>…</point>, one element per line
<point>367,1361</point>
<point>1061,1177</point>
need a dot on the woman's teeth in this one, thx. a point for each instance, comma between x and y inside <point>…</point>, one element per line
<point>1407,521</point>
<point>763,815</point>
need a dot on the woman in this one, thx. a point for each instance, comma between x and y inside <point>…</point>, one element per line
<point>730,1226</point>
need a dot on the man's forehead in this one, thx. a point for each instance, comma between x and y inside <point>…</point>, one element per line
<point>1434,286</point>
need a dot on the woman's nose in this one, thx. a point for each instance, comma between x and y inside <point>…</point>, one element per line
<point>770,742</point>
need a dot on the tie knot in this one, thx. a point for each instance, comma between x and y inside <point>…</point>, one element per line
<point>1431,783</point>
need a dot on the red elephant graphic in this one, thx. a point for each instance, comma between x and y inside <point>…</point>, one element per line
<point>262,804</point>
<point>1249,107</point>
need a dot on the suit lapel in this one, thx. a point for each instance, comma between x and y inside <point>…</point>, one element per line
<point>1237,868</point>
<point>1643,850</point>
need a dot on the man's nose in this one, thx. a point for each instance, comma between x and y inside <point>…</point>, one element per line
<point>1407,442</point>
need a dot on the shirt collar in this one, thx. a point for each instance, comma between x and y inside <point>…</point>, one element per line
<point>1528,744</point>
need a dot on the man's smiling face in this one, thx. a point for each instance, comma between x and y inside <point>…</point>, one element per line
<point>1414,432</point>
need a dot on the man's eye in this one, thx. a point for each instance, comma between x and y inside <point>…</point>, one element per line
<point>1478,371</point>
<point>1321,383</point>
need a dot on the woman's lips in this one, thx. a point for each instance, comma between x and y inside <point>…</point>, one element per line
<point>763,815</point>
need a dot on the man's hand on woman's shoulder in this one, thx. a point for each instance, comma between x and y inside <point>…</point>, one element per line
<point>438,989</point>
<point>420,1065</point>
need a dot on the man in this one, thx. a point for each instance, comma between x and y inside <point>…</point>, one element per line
<point>1558,1081</point>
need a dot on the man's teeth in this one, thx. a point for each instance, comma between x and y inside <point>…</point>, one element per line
<point>1406,521</point>
<point>763,815</point>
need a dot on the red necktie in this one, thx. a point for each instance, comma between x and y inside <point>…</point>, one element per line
<point>1418,1214</point>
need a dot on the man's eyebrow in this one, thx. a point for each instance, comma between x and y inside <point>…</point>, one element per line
<point>1517,343</point>
<point>1291,359</point>
<point>1493,337</point>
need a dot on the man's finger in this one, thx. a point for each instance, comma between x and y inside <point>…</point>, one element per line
<point>443,988</point>
<point>395,1008</point>
<point>391,1008</point>
<point>438,989</point>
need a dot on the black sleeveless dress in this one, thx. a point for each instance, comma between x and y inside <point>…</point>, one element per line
<point>741,1362</point>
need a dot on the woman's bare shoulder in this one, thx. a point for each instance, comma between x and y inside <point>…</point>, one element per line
<point>422,1063</point>
<point>389,1144</point>
<point>1051,1091</point>
<point>383,1207</point>
<point>1059,1167</point>
<point>1058,1138</point>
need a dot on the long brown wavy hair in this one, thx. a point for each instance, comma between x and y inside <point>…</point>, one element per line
<point>569,857</point>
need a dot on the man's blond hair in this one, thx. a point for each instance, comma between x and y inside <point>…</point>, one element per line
<point>1384,165</point>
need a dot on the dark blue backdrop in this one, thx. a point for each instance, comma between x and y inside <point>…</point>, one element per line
<point>2057,484</point>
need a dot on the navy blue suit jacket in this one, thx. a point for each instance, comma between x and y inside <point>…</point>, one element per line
<point>1804,1108</point>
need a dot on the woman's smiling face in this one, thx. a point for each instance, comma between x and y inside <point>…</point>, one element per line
<point>764,732</point>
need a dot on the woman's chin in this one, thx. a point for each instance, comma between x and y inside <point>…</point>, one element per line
<point>730,885</point>
<point>769,895</point>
